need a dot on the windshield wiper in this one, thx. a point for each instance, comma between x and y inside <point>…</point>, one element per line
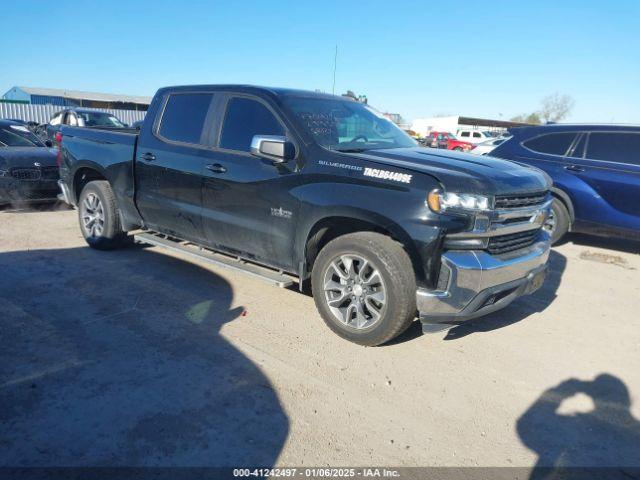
<point>350,150</point>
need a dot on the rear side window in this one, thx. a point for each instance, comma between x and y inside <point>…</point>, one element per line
<point>244,119</point>
<point>476,135</point>
<point>552,143</point>
<point>184,116</point>
<point>56,119</point>
<point>464,134</point>
<point>614,147</point>
<point>578,150</point>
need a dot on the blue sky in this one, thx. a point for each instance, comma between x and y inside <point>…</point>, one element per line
<point>491,58</point>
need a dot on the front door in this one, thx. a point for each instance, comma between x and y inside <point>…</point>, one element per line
<point>248,206</point>
<point>170,166</point>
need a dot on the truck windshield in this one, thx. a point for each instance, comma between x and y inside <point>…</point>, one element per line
<point>18,136</point>
<point>345,125</point>
<point>99,119</point>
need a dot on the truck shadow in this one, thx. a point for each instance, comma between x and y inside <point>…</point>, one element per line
<point>116,359</point>
<point>582,424</point>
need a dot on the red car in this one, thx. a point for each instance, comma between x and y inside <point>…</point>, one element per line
<point>447,140</point>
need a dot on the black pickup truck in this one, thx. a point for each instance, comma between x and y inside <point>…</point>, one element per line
<point>294,185</point>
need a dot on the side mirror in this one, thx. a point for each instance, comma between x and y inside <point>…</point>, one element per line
<point>272,147</point>
<point>48,143</point>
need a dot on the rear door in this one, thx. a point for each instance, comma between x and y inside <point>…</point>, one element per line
<point>247,203</point>
<point>610,165</point>
<point>170,165</point>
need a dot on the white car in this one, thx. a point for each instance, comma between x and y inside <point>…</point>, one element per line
<point>475,136</point>
<point>485,148</point>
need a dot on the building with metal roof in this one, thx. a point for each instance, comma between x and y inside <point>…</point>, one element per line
<point>76,98</point>
<point>453,123</point>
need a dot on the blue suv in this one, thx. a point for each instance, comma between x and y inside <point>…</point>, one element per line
<point>595,171</point>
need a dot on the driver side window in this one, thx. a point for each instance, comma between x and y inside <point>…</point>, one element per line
<point>244,119</point>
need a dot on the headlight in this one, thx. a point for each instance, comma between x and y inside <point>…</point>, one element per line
<point>4,173</point>
<point>442,201</point>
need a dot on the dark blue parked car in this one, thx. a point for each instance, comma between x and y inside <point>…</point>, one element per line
<point>595,171</point>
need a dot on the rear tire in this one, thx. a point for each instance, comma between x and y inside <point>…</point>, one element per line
<point>559,222</point>
<point>99,217</point>
<point>364,287</point>
<point>457,149</point>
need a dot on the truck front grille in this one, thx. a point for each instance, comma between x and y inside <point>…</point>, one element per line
<point>522,200</point>
<point>514,241</point>
<point>34,174</point>
<point>26,173</point>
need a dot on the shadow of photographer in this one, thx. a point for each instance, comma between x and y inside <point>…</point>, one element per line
<point>599,432</point>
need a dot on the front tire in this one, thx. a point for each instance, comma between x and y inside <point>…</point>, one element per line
<point>558,222</point>
<point>99,217</point>
<point>364,287</point>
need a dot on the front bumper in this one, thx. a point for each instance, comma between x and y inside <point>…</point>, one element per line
<point>479,283</point>
<point>15,191</point>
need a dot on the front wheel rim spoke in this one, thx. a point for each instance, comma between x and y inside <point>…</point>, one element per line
<point>354,291</point>
<point>93,215</point>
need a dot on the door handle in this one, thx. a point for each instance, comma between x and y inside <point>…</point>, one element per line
<point>148,157</point>
<point>216,168</point>
<point>574,168</point>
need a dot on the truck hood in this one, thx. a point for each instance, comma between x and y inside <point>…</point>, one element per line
<point>24,157</point>
<point>463,172</point>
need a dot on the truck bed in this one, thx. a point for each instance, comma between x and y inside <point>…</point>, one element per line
<point>111,151</point>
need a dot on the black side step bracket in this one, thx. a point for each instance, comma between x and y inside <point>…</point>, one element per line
<point>268,275</point>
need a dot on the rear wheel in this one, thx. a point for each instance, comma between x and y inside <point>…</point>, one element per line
<point>457,149</point>
<point>558,222</point>
<point>99,217</point>
<point>364,287</point>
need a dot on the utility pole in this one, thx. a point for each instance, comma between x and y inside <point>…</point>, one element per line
<point>335,64</point>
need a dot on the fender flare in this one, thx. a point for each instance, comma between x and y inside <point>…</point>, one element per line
<point>354,213</point>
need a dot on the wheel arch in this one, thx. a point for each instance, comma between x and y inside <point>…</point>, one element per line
<point>329,227</point>
<point>566,200</point>
<point>84,174</point>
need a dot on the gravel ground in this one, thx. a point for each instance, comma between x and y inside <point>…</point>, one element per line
<point>139,357</point>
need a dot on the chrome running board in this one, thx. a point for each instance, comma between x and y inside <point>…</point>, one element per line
<point>268,275</point>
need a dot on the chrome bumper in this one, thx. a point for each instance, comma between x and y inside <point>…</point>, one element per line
<point>480,283</point>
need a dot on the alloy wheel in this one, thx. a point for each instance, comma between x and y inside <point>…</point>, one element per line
<point>92,214</point>
<point>354,291</point>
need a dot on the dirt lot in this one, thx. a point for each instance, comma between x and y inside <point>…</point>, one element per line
<point>137,357</point>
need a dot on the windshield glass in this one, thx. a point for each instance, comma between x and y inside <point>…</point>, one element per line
<point>99,119</point>
<point>18,136</point>
<point>346,125</point>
